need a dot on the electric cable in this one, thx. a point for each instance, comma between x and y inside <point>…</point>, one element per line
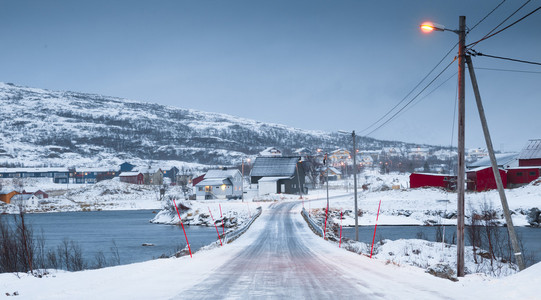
<point>409,102</point>
<point>475,53</point>
<point>507,70</point>
<point>501,30</point>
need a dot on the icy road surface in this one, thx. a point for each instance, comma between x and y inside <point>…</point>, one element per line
<point>287,261</point>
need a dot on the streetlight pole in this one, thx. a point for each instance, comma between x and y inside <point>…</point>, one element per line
<point>461,172</point>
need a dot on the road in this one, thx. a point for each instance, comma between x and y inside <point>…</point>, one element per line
<point>287,261</point>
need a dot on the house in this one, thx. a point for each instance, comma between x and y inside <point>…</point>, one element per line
<point>278,175</point>
<point>132,177</point>
<point>482,179</point>
<point>220,184</point>
<point>271,151</point>
<point>304,153</point>
<point>420,180</point>
<point>126,167</point>
<point>172,174</point>
<point>58,175</point>
<point>339,156</point>
<point>5,196</point>
<point>333,174</point>
<point>152,175</point>
<point>25,200</point>
<point>92,175</point>
<point>530,154</point>
<point>418,153</point>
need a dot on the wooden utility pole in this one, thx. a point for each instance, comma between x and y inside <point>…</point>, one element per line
<point>461,147</point>
<point>355,185</point>
<point>495,170</point>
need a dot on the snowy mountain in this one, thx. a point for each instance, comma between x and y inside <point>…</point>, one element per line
<point>42,127</point>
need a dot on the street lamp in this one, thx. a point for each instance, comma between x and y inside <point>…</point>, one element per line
<point>354,182</point>
<point>429,27</point>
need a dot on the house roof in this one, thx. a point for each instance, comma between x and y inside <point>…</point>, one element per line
<point>502,159</point>
<point>272,179</point>
<point>532,150</point>
<point>480,168</point>
<point>221,173</point>
<point>278,166</point>
<point>214,181</point>
<point>126,174</point>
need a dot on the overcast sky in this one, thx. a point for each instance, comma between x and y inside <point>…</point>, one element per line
<point>322,65</point>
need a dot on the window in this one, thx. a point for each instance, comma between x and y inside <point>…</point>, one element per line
<point>200,188</point>
<point>519,173</point>
<point>532,173</point>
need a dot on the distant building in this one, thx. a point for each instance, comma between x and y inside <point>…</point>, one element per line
<point>220,184</point>
<point>278,175</point>
<point>132,177</point>
<point>271,151</point>
<point>482,179</point>
<point>530,154</point>
<point>421,180</point>
<point>126,167</point>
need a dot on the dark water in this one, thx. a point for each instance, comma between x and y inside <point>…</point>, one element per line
<point>530,237</point>
<point>96,231</point>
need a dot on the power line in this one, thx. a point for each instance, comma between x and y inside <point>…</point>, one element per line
<point>480,21</point>
<point>507,70</point>
<point>409,102</point>
<point>475,53</point>
<point>505,28</point>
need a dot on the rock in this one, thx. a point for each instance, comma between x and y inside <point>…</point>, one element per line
<point>442,271</point>
<point>147,245</point>
<point>533,217</point>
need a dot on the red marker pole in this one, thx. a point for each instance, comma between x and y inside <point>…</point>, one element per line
<point>375,227</point>
<point>223,222</point>
<point>215,227</point>
<point>340,243</point>
<point>189,249</point>
<point>326,215</point>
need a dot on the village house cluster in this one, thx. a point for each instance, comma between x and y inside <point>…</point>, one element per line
<point>515,170</point>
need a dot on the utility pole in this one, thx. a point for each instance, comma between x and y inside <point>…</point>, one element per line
<point>461,146</point>
<point>355,185</point>
<point>495,170</point>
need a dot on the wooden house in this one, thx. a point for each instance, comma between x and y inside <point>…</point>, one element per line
<point>520,176</point>
<point>530,156</point>
<point>278,175</point>
<point>482,179</point>
<point>421,180</point>
<point>132,177</point>
<point>220,184</point>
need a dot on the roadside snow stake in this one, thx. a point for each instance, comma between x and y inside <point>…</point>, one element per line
<point>219,238</point>
<point>223,221</point>
<point>340,242</point>
<point>181,224</point>
<point>375,227</point>
<point>325,227</point>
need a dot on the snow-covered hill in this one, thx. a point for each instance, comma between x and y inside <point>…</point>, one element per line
<point>41,127</point>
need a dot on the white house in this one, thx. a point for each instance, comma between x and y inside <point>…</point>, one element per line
<point>220,184</point>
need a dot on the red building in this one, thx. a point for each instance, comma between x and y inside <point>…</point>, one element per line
<point>531,154</point>
<point>418,180</point>
<point>482,179</point>
<point>132,177</point>
<point>521,175</point>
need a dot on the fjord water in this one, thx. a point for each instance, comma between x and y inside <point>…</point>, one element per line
<point>95,231</point>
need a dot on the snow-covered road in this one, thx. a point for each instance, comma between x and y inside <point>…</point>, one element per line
<point>287,261</point>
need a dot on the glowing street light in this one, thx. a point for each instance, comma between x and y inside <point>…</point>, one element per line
<point>429,27</point>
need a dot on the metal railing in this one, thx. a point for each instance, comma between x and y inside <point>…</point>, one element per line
<point>235,234</point>
<point>312,223</point>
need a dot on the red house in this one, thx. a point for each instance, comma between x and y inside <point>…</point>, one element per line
<point>418,180</point>
<point>482,179</point>
<point>531,154</point>
<point>132,177</point>
<point>521,175</point>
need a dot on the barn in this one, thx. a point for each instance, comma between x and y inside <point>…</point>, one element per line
<point>482,179</point>
<point>419,180</point>
<point>132,177</point>
<point>520,176</point>
<point>531,154</point>
<point>278,175</point>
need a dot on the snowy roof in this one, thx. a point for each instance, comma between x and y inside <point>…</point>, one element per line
<point>221,173</point>
<point>532,150</point>
<point>275,166</point>
<point>32,170</point>
<point>272,179</point>
<point>214,181</point>
<point>480,168</point>
<point>502,159</point>
<point>126,174</point>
